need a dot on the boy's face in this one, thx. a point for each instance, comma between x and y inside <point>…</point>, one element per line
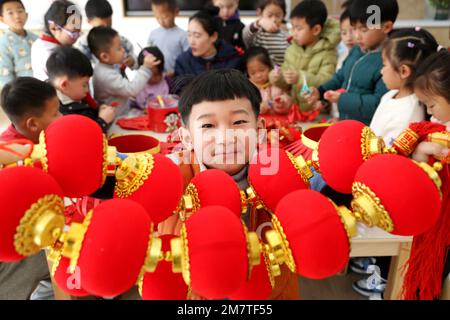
<point>371,38</point>
<point>227,8</point>
<point>274,13</point>
<point>14,16</point>
<point>164,15</point>
<point>347,33</point>
<point>437,106</point>
<point>33,125</point>
<point>100,22</point>
<point>258,72</point>
<point>303,34</point>
<point>222,134</point>
<point>115,54</point>
<point>76,88</point>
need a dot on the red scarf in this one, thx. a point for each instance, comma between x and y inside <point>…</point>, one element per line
<point>48,38</point>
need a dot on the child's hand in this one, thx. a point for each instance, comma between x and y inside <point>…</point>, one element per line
<point>313,97</point>
<point>150,61</point>
<point>107,113</point>
<point>332,96</point>
<point>267,25</point>
<point>275,76</point>
<point>426,149</point>
<point>129,61</point>
<point>291,76</point>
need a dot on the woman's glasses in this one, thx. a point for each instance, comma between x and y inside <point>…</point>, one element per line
<point>74,35</point>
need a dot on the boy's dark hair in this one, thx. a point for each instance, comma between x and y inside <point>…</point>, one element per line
<point>313,11</point>
<point>25,95</point>
<point>171,4</point>
<point>98,9</point>
<point>60,12</point>
<point>100,39</point>
<point>2,2</point>
<point>344,16</point>
<point>359,12</point>
<point>259,53</point>
<point>218,85</point>
<point>70,62</point>
<point>154,51</point>
<point>208,18</point>
<point>433,75</point>
<point>409,47</point>
<point>279,3</point>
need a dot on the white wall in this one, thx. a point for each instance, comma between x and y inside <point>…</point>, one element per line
<point>136,29</point>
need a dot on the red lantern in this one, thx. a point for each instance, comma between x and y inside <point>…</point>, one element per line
<point>398,195</point>
<point>74,151</point>
<point>274,174</point>
<point>315,239</point>
<point>110,247</point>
<point>66,281</point>
<point>32,212</point>
<point>163,284</point>
<point>135,143</point>
<point>212,188</point>
<point>258,287</point>
<point>343,148</point>
<point>154,181</point>
<point>212,253</point>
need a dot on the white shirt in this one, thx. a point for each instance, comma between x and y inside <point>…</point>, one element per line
<point>40,52</point>
<point>393,116</point>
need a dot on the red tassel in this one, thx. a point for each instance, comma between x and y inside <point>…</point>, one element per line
<point>423,278</point>
<point>425,128</point>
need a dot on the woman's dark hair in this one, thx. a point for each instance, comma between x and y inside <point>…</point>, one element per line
<point>60,12</point>
<point>279,3</point>
<point>218,85</point>
<point>259,53</point>
<point>409,47</point>
<point>208,18</point>
<point>70,62</point>
<point>154,51</point>
<point>433,75</point>
<point>24,96</point>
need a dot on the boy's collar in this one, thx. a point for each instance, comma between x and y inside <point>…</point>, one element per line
<point>19,35</point>
<point>63,98</point>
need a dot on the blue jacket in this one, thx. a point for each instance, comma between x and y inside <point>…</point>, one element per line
<point>227,58</point>
<point>361,77</point>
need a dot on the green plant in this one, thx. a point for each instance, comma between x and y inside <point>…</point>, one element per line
<point>442,4</point>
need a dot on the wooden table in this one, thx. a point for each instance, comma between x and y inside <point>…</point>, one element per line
<point>377,243</point>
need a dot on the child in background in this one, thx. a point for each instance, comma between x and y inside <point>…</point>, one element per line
<point>311,58</point>
<point>258,66</point>
<point>343,49</point>
<point>69,72</point>
<point>266,31</point>
<point>109,83</point>
<point>157,85</point>
<point>169,38</point>
<point>232,26</point>
<point>15,43</point>
<point>402,54</point>
<point>31,105</point>
<point>360,75</point>
<point>99,13</point>
<point>62,27</point>
<point>219,111</point>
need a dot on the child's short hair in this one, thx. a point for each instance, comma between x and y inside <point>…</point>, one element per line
<point>208,18</point>
<point>155,52</point>
<point>409,47</point>
<point>70,62</point>
<point>313,11</point>
<point>60,12</point>
<point>259,53</point>
<point>218,85</point>
<point>24,96</point>
<point>344,16</point>
<point>100,39</point>
<point>433,75</point>
<point>171,4</point>
<point>359,12</point>
<point>3,2</point>
<point>279,3</point>
<point>98,9</point>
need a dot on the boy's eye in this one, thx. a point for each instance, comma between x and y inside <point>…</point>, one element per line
<point>207,126</point>
<point>239,122</point>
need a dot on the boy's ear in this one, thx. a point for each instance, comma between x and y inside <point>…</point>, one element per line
<point>62,83</point>
<point>215,36</point>
<point>186,138</point>
<point>405,71</point>
<point>104,56</point>
<point>388,27</point>
<point>31,124</point>
<point>317,30</point>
